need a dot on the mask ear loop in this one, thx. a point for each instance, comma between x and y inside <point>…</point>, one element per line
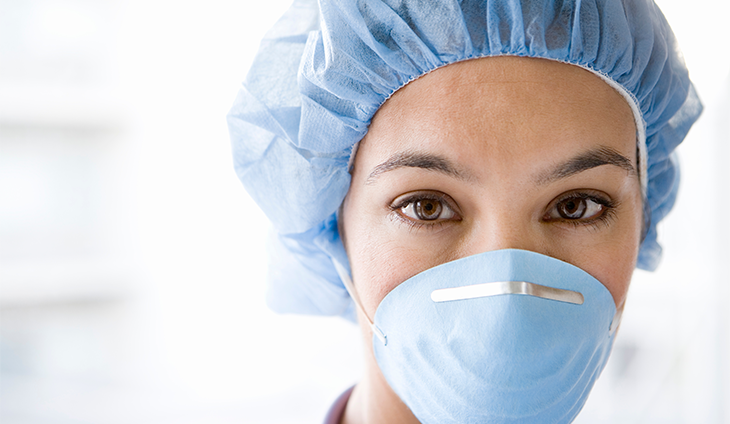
<point>615,322</point>
<point>350,287</point>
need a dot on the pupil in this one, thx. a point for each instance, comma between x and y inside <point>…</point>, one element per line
<point>572,209</point>
<point>428,209</point>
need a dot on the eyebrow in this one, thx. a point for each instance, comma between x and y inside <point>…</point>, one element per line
<point>585,161</point>
<point>418,160</point>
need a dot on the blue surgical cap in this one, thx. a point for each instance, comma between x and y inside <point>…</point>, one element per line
<point>326,67</point>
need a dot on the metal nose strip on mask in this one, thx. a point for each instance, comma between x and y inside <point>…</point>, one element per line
<point>506,287</point>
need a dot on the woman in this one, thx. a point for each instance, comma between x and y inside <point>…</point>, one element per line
<point>477,180</point>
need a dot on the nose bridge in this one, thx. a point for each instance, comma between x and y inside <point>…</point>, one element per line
<point>502,228</point>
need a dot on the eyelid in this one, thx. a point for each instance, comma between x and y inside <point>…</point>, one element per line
<point>411,197</point>
<point>586,194</point>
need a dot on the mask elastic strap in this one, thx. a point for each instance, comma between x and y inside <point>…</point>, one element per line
<point>345,277</point>
<point>616,322</point>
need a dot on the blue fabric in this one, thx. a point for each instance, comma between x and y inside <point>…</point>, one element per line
<point>324,69</point>
<point>508,358</point>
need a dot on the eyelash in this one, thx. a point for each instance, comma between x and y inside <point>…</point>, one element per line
<point>605,218</point>
<point>401,203</point>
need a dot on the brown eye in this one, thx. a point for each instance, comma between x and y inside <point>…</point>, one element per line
<point>574,208</point>
<point>426,209</point>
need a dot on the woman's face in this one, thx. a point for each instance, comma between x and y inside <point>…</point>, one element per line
<point>493,154</point>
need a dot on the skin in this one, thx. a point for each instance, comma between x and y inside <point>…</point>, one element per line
<point>516,153</point>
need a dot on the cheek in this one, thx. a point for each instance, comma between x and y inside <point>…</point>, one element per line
<point>378,265</point>
<point>613,262</point>
<point>380,257</point>
<point>615,272</point>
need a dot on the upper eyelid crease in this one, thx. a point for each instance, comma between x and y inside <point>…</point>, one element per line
<point>418,160</point>
<point>586,195</point>
<point>420,195</point>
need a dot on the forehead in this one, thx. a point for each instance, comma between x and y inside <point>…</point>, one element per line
<point>501,109</point>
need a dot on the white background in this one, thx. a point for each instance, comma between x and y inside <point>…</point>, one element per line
<point>132,261</point>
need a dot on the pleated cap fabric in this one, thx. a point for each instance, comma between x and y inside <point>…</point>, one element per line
<point>326,67</point>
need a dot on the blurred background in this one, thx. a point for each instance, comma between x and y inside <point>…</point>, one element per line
<point>132,264</point>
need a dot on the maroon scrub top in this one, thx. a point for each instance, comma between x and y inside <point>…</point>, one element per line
<point>337,411</point>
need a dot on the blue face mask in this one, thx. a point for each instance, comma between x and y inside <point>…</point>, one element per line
<point>507,336</point>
